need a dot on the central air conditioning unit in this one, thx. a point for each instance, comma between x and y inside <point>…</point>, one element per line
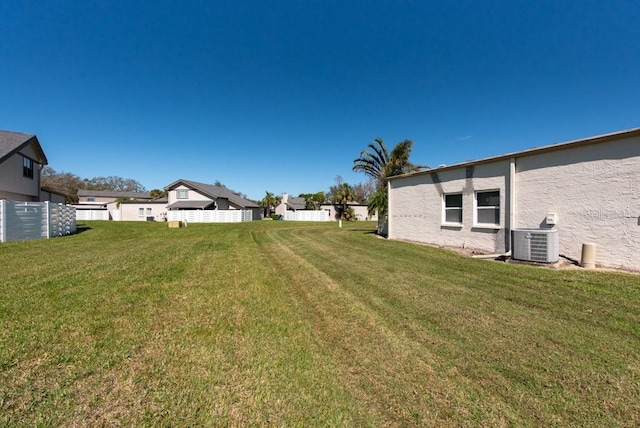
<point>535,245</point>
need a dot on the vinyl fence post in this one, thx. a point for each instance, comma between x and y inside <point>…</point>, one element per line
<point>3,220</point>
<point>47,218</point>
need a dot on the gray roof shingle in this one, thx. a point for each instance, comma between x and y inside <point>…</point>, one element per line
<point>114,194</point>
<point>11,142</point>
<point>296,203</point>
<point>215,192</point>
<point>185,205</point>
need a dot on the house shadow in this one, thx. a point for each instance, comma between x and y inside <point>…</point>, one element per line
<point>80,228</point>
<point>364,231</point>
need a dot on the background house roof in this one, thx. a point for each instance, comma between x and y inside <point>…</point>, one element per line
<point>11,142</point>
<point>152,201</point>
<point>114,194</point>
<point>214,192</point>
<point>296,203</point>
<point>190,205</point>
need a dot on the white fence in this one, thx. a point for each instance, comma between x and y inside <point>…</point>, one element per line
<point>307,215</point>
<point>210,216</point>
<point>34,220</point>
<point>82,215</point>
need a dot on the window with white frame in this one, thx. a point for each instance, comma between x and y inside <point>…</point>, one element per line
<point>452,209</point>
<point>140,212</point>
<point>27,167</point>
<point>488,208</point>
<point>182,194</point>
<point>149,212</point>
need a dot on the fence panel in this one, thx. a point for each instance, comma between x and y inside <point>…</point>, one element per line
<point>62,220</point>
<point>82,215</point>
<point>25,220</point>
<point>307,215</point>
<point>34,220</point>
<point>210,216</point>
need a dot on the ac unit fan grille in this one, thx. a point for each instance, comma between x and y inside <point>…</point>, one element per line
<point>539,248</point>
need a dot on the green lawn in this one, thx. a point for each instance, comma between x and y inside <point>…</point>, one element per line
<point>292,324</point>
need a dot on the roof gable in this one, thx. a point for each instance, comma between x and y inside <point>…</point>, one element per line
<point>213,192</point>
<point>13,142</point>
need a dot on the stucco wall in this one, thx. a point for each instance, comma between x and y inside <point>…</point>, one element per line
<point>129,211</point>
<point>593,189</point>
<point>192,195</point>
<point>595,192</point>
<point>13,184</point>
<point>416,207</point>
<point>52,197</point>
<point>281,209</point>
<point>361,212</point>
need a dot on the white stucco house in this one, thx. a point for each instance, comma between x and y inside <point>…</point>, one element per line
<point>119,205</point>
<point>298,204</point>
<point>361,211</point>
<point>191,195</point>
<point>588,190</point>
<point>289,203</point>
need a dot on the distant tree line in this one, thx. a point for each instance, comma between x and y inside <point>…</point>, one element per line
<point>376,161</point>
<point>68,184</point>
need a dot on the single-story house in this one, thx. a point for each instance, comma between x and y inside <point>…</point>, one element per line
<point>290,203</point>
<point>588,190</point>
<point>293,203</point>
<point>21,160</point>
<point>191,195</point>
<point>360,210</point>
<point>119,205</point>
<point>141,210</point>
<point>105,197</point>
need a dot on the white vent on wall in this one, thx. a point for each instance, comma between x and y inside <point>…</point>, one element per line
<point>535,245</point>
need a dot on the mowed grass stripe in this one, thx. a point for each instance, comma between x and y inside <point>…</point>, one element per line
<point>358,343</point>
<point>280,323</point>
<point>215,342</point>
<point>519,335</point>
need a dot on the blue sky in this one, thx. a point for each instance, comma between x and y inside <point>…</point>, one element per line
<point>283,95</point>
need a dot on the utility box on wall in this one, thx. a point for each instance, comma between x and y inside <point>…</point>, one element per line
<point>551,219</point>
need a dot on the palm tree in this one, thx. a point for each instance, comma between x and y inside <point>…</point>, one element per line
<point>343,194</point>
<point>268,202</point>
<point>377,202</point>
<point>379,165</point>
